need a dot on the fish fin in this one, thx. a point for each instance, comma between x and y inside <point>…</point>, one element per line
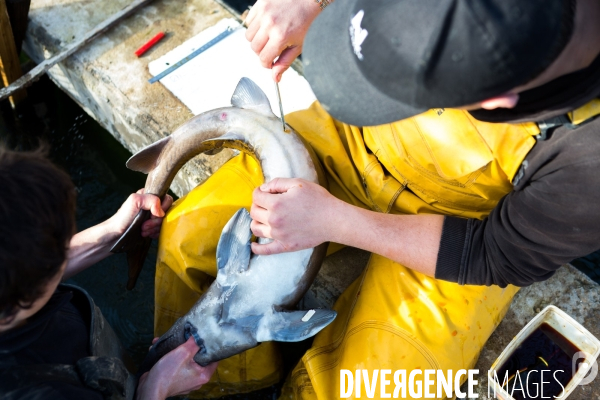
<point>135,260</point>
<point>247,94</point>
<point>135,246</point>
<point>145,159</point>
<point>233,250</point>
<point>293,326</point>
<point>249,323</point>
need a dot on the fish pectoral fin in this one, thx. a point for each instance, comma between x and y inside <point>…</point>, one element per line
<point>248,95</point>
<point>293,326</point>
<point>145,159</point>
<point>233,250</point>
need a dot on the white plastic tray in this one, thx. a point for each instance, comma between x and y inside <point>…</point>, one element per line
<point>566,326</point>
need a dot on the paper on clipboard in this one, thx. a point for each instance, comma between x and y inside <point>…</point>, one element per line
<point>208,81</point>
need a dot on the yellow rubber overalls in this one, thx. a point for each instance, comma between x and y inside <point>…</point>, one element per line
<point>444,162</point>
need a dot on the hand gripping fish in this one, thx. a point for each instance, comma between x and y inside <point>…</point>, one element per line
<point>249,301</point>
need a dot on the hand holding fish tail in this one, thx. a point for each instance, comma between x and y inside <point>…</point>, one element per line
<point>276,28</point>
<point>295,213</point>
<point>175,374</point>
<point>134,203</point>
<point>93,244</point>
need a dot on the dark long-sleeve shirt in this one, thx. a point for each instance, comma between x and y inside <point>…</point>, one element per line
<point>553,214</point>
<point>55,335</point>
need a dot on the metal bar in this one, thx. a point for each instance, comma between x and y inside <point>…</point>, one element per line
<point>38,71</point>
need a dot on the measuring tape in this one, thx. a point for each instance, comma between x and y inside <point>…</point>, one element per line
<point>205,47</point>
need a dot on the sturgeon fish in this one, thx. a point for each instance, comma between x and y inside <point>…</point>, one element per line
<point>251,299</point>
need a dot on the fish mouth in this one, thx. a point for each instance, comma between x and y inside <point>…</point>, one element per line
<point>189,330</point>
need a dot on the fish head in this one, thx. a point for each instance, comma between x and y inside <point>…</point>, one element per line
<point>218,340</point>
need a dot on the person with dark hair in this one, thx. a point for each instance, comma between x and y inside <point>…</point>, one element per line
<point>460,141</point>
<point>54,343</point>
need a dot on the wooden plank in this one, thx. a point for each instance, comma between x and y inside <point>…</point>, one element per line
<point>10,66</point>
<point>41,69</point>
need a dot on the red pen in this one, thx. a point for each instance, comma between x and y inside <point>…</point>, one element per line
<point>149,44</point>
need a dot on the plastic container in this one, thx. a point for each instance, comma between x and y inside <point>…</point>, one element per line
<point>566,326</point>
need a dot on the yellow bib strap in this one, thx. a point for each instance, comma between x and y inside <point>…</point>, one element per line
<point>585,113</point>
<point>572,120</point>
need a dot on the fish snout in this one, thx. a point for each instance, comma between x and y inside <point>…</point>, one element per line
<point>203,359</point>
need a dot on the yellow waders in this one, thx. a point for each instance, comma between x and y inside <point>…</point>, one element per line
<point>442,161</point>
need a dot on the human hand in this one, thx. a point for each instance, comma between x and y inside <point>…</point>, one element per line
<point>175,374</point>
<point>276,28</point>
<point>118,223</point>
<point>295,213</point>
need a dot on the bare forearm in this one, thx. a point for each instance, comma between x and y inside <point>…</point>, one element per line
<point>151,388</point>
<point>94,244</point>
<point>298,214</point>
<point>411,240</point>
<point>89,247</point>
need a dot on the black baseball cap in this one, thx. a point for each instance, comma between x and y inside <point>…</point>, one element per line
<point>372,62</point>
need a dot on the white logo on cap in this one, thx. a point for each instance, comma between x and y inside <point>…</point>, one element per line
<point>357,34</point>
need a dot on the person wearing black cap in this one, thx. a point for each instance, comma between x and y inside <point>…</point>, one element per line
<point>481,117</point>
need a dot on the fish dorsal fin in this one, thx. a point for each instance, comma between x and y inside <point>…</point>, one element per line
<point>248,95</point>
<point>145,159</point>
<point>293,326</point>
<point>233,250</point>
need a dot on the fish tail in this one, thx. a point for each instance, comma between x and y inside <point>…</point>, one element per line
<point>136,247</point>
